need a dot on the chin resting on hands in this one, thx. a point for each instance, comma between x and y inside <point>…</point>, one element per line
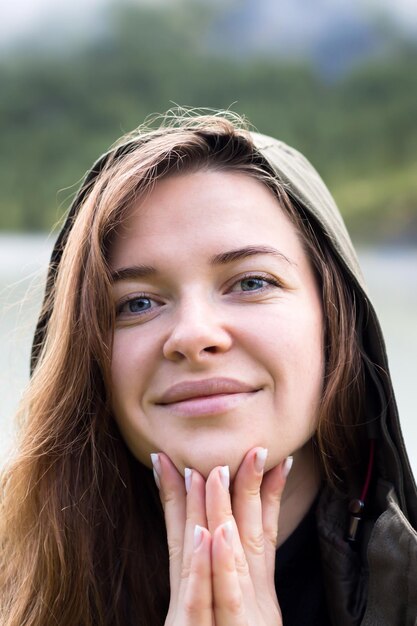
<point>222,546</point>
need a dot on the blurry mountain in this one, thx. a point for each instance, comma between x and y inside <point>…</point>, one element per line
<point>333,35</point>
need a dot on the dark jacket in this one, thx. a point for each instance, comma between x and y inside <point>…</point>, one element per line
<point>374,584</point>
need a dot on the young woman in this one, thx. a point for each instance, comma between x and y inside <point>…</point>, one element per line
<point>205,327</point>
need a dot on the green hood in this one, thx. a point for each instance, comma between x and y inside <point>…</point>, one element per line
<point>305,185</point>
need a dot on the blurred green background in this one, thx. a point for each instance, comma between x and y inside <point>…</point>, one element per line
<point>340,87</point>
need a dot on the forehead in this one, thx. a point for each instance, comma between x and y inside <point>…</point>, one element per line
<point>203,212</point>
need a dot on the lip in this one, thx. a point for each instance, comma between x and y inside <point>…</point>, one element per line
<point>189,390</point>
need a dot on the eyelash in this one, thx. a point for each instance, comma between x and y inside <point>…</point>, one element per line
<point>271,282</point>
<point>267,278</point>
<point>131,298</point>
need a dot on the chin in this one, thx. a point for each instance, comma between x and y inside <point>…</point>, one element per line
<point>208,460</point>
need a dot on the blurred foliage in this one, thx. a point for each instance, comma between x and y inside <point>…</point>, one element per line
<point>59,110</point>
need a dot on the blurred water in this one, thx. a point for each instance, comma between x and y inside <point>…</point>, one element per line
<point>391,275</point>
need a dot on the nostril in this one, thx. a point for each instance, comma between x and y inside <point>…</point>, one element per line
<point>211,349</point>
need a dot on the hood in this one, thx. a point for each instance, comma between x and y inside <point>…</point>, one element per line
<point>303,184</point>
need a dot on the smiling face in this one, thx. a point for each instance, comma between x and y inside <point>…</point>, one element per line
<point>218,345</point>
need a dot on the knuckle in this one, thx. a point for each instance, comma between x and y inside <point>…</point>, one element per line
<point>241,565</point>
<point>169,496</point>
<point>216,520</point>
<point>193,607</point>
<point>174,551</point>
<point>253,493</point>
<point>185,571</point>
<point>273,499</point>
<point>271,538</point>
<point>234,603</point>
<point>256,544</point>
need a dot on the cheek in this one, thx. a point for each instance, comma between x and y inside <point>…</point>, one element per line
<point>128,374</point>
<point>132,358</point>
<point>295,340</point>
<point>296,358</point>
<point>128,380</point>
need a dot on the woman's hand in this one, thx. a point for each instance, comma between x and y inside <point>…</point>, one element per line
<point>222,548</point>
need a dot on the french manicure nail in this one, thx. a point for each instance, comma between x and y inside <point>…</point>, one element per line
<point>156,462</point>
<point>187,477</point>
<point>287,466</point>
<point>156,468</point>
<point>198,536</point>
<point>156,477</point>
<point>225,476</point>
<point>260,458</point>
<point>228,533</point>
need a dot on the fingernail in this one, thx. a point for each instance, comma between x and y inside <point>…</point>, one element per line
<point>198,536</point>
<point>228,533</point>
<point>225,476</point>
<point>156,468</point>
<point>287,466</point>
<point>260,458</point>
<point>156,477</point>
<point>187,478</point>
<point>156,462</point>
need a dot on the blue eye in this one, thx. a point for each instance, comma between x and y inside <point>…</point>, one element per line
<point>134,306</point>
<point>252,283</point>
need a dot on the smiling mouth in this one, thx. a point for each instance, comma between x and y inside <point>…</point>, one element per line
<point>204,397</point>
<point>188,390</point>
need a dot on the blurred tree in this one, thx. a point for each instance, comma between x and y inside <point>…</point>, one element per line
<point>58,112</point>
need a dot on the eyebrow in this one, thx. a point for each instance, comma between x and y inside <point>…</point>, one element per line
<point>132,273</point>
<point>143,271</point>
<point>242,253</point>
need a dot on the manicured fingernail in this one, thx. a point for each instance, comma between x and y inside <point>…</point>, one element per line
<point>156,462</point>
<point>287,466</point>
<point>228,533</point>
<point>225,476</point>
<point>198,536</point>
<point>260,458</point>
<point>156,477</point>
<point>187,477</point>
<point>156,468</point>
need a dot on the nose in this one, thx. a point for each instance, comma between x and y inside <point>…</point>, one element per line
<point>197,333</point>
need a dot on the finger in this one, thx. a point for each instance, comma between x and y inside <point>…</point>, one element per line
<point>228,599</point>
<point>195,516</point>
<point>173,498</point>
<point>271,493</point>
<point>218,504</point>
<point>182,513</point>
<point>247,511</point>
<point>219,511</point>
<point>197,605</point>
<point>235,604</point>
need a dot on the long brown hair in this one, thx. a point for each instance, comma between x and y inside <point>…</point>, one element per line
<point>82,532</point>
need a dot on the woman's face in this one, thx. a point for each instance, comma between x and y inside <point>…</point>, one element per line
<point>218,345</point>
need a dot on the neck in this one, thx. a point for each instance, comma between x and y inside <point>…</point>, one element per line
<point>302,487</point>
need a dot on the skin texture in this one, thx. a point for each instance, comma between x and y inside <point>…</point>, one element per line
<point>197,312</point>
